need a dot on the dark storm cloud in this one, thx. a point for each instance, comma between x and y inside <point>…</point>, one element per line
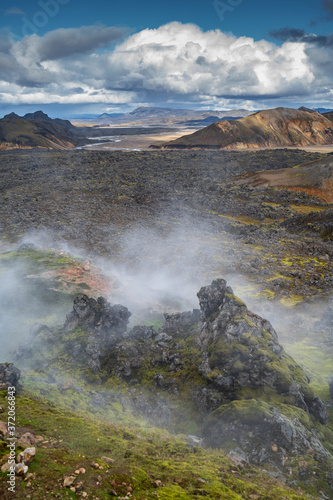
<point>298,35</point>
<point>67,42</point>
<point>287,34</point>
<point>62,42</point>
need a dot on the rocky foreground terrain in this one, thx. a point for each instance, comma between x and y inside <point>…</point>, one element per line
<point>128,207</point>
<point>109,392</point>
<point>219,372</point>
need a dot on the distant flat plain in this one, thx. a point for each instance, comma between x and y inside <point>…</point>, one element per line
<point>139,141</point>
<point>142,142</point>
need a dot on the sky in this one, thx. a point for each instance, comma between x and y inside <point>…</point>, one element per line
<point>74,58</point>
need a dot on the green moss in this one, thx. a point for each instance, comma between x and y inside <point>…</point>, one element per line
<point>247,411</point>
<point>221,352</point>
<point>249,340</point>
<point>237,300</point>
<point>265,393</point>
<point>248,321</point>
<point>173,492</point>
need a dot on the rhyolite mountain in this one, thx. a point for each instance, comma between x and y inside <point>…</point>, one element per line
<point>278,127</point>
<point>314,178</point>
<point>221,366</point>
<point>36,130</point>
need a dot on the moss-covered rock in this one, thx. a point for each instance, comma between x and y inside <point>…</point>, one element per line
<point>222,369</point>
<point>262,431</point>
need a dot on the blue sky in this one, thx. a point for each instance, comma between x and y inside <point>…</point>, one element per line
<point>254,18</point>
<point>70,57</point>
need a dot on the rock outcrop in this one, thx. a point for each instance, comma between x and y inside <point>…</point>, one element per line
<point>98,316</point>
<point>224,363</point>
<point>106,325</point>
<point>241,354</point>
<point>9,376</point>
<point>261,431</point>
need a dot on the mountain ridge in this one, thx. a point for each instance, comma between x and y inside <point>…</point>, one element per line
<point>36,130</point>
<point>277,127</point>
<point>149,115</point>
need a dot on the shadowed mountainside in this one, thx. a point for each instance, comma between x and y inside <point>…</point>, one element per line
<point>269,128</point>
<point>329,115</point>
<point>39,115</point>
<point>36,130</point>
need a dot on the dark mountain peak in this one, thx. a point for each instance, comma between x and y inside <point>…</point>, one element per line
<point>37,115</point>
<point>104,115</point>
<point>304,108</point>
<point>12,115</point>
<point>41,116</point>
<point>36,130</point>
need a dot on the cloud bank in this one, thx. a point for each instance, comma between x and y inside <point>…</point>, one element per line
<point>174,63</point>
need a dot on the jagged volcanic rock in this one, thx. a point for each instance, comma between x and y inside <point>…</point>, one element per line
<point>224,362</point>
<point>9,375</point>
<point>240,351</point>
<point>261,431</point>
<point>98,315</point>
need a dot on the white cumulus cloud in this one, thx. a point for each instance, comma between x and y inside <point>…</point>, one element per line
<point>175,62</point>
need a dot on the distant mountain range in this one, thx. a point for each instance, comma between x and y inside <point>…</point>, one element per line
<point>36,130</point>
<point>269,128</point>
<point>152,115</point>
<point>145,115</point>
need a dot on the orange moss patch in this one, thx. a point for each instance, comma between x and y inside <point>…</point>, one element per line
<point>325,193</point>
<point>79,278</point>
<point>97,283</point>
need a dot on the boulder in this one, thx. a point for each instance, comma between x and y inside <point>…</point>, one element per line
<point>141,333</point>
<point>9,375</point>
<point>68,481</point>
<point>3,430</point>
<point>98,315</point>
<point>26,457</point>
<point>260,431</point>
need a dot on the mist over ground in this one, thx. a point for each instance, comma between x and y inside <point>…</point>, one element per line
<point>159,226</point>
<point>153,270</point>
